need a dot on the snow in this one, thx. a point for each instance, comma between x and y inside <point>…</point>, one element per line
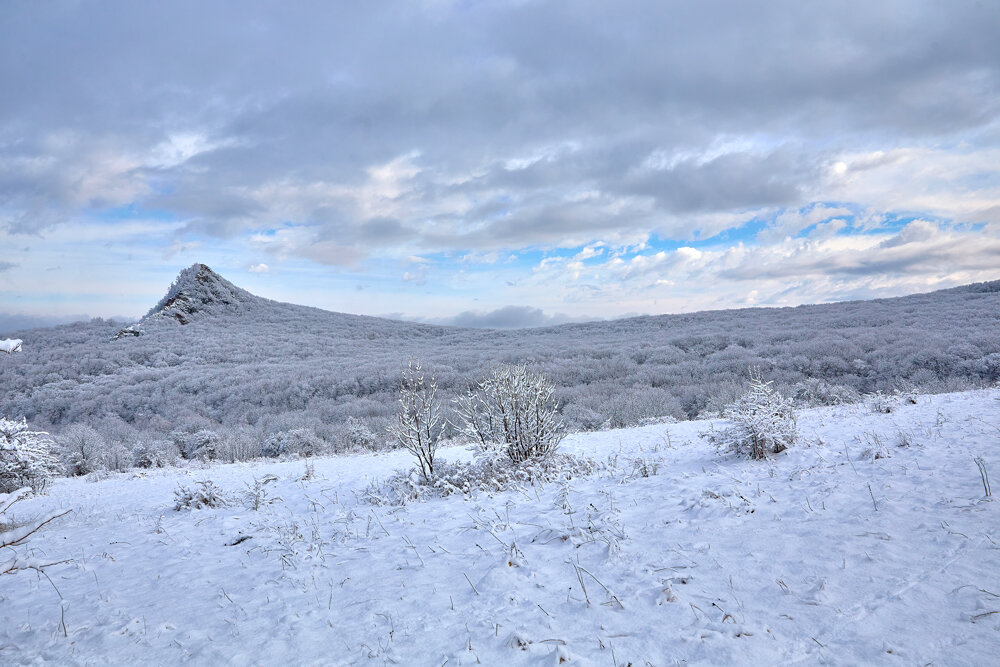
<point>10,345</point>
<point>821,554</point>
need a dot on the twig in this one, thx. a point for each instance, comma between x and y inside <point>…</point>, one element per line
<point>981,464</point>
<point>580,579</point>
<point>873,497</point>
<point>849,459</point>
<point>470,583</point>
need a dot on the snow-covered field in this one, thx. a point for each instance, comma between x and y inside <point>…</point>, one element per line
<point>824,554</point>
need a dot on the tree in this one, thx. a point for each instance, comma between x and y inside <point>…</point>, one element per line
<point>763,421</point>
<point>26,457</point>
<point>417,427</point>
<point>511,410</point>
<point>82,450</point>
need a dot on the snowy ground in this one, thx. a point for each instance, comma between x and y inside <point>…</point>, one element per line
<point>823,555</point>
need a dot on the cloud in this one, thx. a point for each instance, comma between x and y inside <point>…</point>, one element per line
<point>507,317</point>
<point>347,139</point>
<point>13,322</point>
<point>259,268</point>
<point>6,266</point>
<point>435,116</point>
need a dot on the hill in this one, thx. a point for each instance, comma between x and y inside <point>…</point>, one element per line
<point>211,356</point>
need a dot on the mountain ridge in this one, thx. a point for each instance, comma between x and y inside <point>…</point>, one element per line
<point>199,292</point>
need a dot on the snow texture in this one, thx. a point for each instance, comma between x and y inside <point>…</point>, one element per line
<point>670,553</point>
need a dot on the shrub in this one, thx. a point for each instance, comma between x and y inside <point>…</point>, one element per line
<point>81,449</point>
<point>762,422</point>
<point>299,441</point>
<point>637,405</point>
<point>511,410</point>
<point>241,444</point>
<point>488,474</point>
<point>203,444</point>
<point>357,435</point>
<point>154,454</point>
<point>418,419</point>
<point>26,457</point>
<point>203,494</point>
<point>257,496</point>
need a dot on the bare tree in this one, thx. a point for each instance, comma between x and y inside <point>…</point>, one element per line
<point>417,427</point>
<point>511,409</point>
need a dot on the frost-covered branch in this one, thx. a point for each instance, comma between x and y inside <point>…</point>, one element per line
<point>511,410</point>
<point>26,457</point>
<point>14,536</point>
<point>417,426</point>
<point>763,421</point>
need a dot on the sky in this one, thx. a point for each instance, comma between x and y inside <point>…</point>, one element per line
<point>496,164</point>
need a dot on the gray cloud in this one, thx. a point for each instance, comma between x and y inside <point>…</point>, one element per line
<point>508,317</point>
<point>13,322</point>
<point>511,110</point>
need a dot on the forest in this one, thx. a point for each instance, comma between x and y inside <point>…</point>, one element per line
<point>215,372</point>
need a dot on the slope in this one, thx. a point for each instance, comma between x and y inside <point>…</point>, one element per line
<point>671,553</point>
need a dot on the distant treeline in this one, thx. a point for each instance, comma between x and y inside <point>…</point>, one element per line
<point>331,379</point>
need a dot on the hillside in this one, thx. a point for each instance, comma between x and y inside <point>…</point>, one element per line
<point>212,356</point>
<point>837,551</point>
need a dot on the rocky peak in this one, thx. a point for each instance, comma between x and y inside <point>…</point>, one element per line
<point>197,291</point>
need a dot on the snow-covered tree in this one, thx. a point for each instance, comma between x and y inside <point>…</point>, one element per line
<point>82,450</point>
<point>10,345</point>
<point>417,427</point>
<point>763,421</point>
<point>26,457</point>
<point>12,535</point>
<point>511,410</point>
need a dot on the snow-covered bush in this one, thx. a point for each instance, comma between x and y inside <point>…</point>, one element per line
<point>511,410</point>
<point>357,435</point>
<point>257,496</point>
<point>816,391</point>
<point>762,422</point>
<point>488,474</point>
<point>578,417</point>
<point>241,444</point>
<point>15,535</point>
<point>154,454</point>
<point>299,441</point>
<point>83,450</point>
<point>80,450</point>
<point>637,405</point>
<point>875,447</point>
<point>418,419</point>
<point>26,457</point>
<point>203,494</point>
<point>201,444</point>
<point>880,403</point>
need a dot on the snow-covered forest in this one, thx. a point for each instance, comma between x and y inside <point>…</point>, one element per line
<point>224,373</point>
